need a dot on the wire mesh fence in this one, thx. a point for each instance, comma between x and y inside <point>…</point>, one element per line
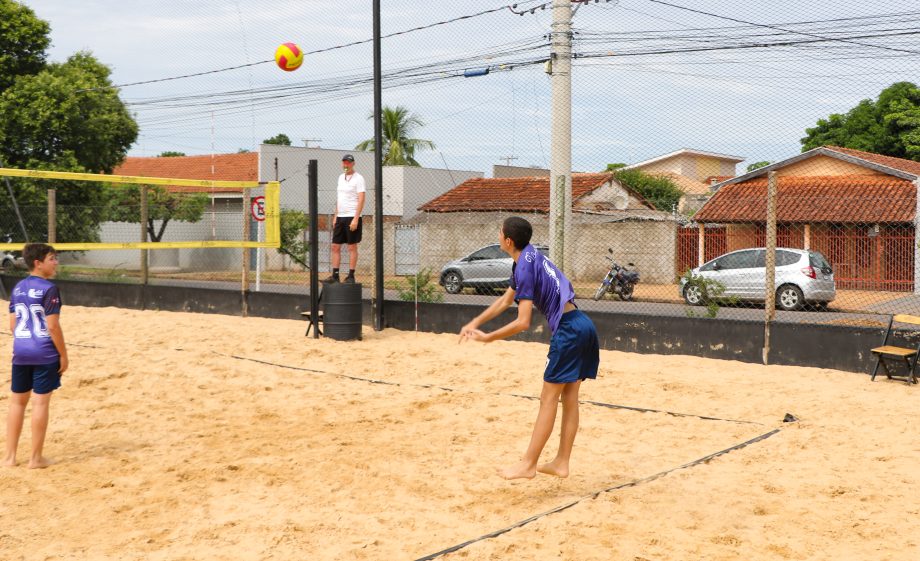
<point>674,117</point>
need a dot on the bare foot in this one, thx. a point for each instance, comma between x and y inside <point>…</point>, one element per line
<point>555,467</point>
<point>40,463</point>
<point>523,470</point>
<point>9,462</point>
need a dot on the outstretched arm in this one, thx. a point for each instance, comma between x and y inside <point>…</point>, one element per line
<point>521,323</point>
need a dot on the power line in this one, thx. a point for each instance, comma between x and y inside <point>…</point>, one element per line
<point>776,27</point>
<point>317,51</point>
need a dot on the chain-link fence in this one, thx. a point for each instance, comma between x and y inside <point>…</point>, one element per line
<point>670,118</point>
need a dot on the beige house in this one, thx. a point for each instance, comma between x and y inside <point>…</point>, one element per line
<point>693,171</point>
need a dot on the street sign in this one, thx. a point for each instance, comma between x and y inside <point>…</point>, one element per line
<point>258,208</point>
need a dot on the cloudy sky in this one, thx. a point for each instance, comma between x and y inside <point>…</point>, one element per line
<point>740,77</point>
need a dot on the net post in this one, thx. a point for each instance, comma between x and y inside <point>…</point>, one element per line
<point>244,285</point>
<point>52,216</point>
<point>312,201</point>
<point>145,211</point>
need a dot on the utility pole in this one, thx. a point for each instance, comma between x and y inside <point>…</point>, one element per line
<point>307,141</point>
<point>560,186</point>
<point>508,159</point>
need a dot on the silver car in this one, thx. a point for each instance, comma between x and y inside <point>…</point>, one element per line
<point>802,277</point>
<point>486,269</point>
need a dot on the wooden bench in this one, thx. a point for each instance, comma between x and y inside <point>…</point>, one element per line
<point>898,354</point>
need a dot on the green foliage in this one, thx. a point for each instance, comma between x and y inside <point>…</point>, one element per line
<point>713,292</point>
<point>421,285</point>
<point>280,139</point>
<point>163,206</point>
<point>612,167</point>
<point>658,190</point>
<point>60,117</point>
<point>243,151</point>
<point>889,125</point>
<point>398,126</point>
<point>758,165</point>
<point>293,224</point>
<point>23,40</point>
<point>170,154</point>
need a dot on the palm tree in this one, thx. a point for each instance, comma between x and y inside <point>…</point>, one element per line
<point>398,124</point>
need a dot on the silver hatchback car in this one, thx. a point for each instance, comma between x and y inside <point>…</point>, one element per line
<point>486,269</point>
<point>802,277</point>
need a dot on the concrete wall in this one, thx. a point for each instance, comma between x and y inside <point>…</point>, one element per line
<point>824,165</point>
<point>410,187</point>
<point>692,166</point>
<point>791,343</point>
<point>226,223</point>
<point>499,171</point>
<point>650,245</point>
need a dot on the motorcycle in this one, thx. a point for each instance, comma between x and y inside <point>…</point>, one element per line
<point>619,280</point>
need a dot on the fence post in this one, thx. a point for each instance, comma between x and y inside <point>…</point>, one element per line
<point>144,218</point>
<point>770,257</point>
<point>247,226</point>
<point>701,246</point>
<point>917,240</point>
<point>52,216</point>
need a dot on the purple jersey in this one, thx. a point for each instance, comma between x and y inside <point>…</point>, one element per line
<point>33,299</point>
<point>534,277</point>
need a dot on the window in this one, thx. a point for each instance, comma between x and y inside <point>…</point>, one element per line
<point>738,260</point>
<point>817,260</point>
<point>784,258</point>
<point>490,252</point>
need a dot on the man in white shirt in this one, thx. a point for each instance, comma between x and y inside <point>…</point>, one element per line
<point>347,229</point>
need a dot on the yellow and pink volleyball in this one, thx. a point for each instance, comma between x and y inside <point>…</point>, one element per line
<point>288,57</point>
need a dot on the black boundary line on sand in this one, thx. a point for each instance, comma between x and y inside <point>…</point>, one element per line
<point>522,396</point>
<point>632,483</point>
<point>429,386</point>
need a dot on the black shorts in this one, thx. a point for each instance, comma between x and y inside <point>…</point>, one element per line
<point>342,233</point>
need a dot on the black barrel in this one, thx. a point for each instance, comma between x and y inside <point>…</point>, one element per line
<point>342,311</point>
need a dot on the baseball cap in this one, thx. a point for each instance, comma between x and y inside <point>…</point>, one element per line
<point>348,158</point>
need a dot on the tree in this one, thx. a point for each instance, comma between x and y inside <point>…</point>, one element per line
<point>23,40</point>
<point>163,206</point>
<point>170,154</point>
<point>758,165</point>
<point>398,126</point>
<point>612,167</point>
<point>663,193</point>
<point>279,139</point>
<point>293,223</point>
<point>61,117</point>
<point>889,125</point>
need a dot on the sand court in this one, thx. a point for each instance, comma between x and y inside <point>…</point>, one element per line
<point>188,436</point>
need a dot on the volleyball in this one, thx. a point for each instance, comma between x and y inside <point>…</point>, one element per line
<point>288,57</point>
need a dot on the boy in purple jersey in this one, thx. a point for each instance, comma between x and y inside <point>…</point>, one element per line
<point>39,353</point>
<point>573,350</point>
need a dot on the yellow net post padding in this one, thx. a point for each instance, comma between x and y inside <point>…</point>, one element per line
<point>272,209</point>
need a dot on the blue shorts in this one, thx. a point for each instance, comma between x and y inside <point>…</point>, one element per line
<point>38,378</point>
<point>574,352</point>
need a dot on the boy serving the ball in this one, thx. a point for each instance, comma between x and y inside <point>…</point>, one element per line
<point>573,351</point>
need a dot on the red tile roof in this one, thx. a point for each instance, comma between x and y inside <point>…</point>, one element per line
<point>226,167</point>
<point>841,199</point>
<point>513,194</point>
<point>900,164</point>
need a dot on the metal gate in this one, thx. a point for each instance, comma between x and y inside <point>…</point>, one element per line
<point>407,249</point>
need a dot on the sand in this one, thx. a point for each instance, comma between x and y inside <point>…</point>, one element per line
<point>167,448</point>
